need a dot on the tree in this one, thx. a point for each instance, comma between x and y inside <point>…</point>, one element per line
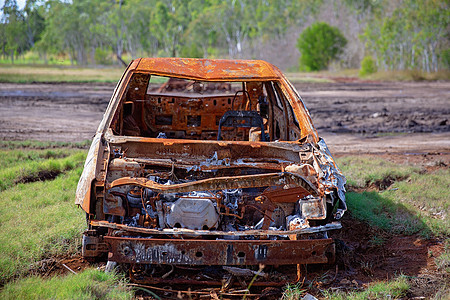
<point>34,22</point>
<point>319,44</point>
<point>411,36</point>
<point>14,40</point>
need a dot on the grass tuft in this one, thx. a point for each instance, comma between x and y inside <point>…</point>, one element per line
<point>89,284</point>
<point>293,292</point>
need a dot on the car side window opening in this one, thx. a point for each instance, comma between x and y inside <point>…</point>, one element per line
<point>168,107</point>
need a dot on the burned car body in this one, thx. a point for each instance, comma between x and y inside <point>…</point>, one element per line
<point>209,162</point>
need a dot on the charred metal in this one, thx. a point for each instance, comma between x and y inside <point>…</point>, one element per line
<point>209,162</point>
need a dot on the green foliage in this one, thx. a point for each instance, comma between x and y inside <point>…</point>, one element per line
<point>412,36</point>
<point>191,51</point>
<point>319,44</point>
<point>368,66</point>
<point>101,56</point>
<point>20,29</point>
<point>89,284</point>
<point>445,57</point>
<point>148,28</point>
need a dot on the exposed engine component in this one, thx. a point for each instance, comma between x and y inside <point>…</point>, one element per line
<point>134,198</point>
<point>195,211</point>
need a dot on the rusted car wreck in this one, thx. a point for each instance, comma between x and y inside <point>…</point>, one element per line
<point>203,162</point>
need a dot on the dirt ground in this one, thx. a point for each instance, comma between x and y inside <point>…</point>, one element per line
<point>401,122</point>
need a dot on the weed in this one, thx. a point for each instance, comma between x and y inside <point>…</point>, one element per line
<point>293,291</point>
<point>426,192</point>
<point>89,284</point>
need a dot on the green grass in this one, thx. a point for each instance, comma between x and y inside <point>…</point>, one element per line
<point>408,75</point>
<point>363,171</point>
<point>39,219</point>
<point>395,289</point>
<point>30,166</point>
<point>384,213</point>
<point>443,261</point>
<point>12,158</point>
<point>411,200</point>
<point>89,284</point>
<point>45,145</point>
<point>26,74</point>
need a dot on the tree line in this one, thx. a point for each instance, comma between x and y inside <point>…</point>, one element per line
<point>406,34</point>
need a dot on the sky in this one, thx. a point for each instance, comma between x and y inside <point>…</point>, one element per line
<point>20,3</point>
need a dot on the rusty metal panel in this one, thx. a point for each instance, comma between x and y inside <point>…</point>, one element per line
<point>219,252</point>
<point>82,196</point>
<point>221,183</point>
<point>209,69</point>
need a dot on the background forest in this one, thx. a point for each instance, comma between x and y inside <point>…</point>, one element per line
<point>395,35</point>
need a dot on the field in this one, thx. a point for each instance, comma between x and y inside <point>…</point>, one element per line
<point>391,140</point>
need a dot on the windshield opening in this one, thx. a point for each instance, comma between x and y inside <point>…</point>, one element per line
<point>177,108</point>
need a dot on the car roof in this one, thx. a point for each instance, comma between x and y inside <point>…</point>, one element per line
<point>210,69</point>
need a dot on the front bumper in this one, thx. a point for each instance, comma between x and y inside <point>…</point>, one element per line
<point>219,252</point>
<point>203,247</point>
